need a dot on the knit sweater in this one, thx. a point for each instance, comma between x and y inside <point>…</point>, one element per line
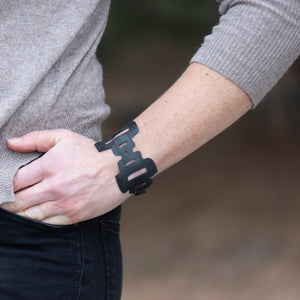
<point>50,77</point>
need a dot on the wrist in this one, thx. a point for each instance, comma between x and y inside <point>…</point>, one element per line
<point>135,171</point>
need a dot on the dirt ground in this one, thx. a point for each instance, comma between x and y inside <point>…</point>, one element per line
<point>225,222</point>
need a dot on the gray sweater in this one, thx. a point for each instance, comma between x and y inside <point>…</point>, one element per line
<point>50,77</point>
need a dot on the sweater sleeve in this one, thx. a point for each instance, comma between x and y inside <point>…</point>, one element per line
<point>254,44</point>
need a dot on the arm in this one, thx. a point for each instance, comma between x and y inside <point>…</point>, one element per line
<point>201,104</point>
<point>254,44</point>
<point>73,182</point>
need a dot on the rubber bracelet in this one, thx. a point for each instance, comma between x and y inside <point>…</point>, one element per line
<point>135,171</point>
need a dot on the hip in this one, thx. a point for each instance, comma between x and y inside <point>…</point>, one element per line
<point>42,261</point>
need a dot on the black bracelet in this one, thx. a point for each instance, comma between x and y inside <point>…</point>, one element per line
<point>135,171</point>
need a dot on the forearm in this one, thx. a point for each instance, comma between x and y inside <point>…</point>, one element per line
<point>59,188</point>
<point>73,182</point>
<point>200,104</point>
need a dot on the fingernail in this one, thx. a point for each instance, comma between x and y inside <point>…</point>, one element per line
<point>15,140</point>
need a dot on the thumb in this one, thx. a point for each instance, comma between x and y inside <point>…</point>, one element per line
<point>41,141</point>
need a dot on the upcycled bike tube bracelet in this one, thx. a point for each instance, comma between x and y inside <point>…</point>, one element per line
<point>135,171</point>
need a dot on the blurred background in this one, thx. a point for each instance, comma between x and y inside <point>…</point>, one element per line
<point>225,222</point>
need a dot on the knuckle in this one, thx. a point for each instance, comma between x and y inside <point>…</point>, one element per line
<point>11,206</point>
<point>16,180</point>
<point>73,210</point>
<point>56,189</point>
<point>19,178</point>
<point>46,169</point>
<point>15,207</point>
<point>47,187</point>
<point>66,132</point>
<point>65,207</point>
<point>60,207</point>
<point>42,211</point>
<point>34,135</point>
<point>28,214</point>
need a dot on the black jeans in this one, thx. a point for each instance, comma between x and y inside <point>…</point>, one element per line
<point>42,262</point>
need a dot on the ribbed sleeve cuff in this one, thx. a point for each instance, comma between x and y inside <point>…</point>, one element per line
<point>254,43</point>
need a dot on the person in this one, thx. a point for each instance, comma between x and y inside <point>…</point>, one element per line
<point>60,198</point>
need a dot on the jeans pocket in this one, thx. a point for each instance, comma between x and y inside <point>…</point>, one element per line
<point>110,230</point>
<point>9,216</point>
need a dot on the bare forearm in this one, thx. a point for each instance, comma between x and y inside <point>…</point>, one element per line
<point>59,188</point>
<point>201,104</point>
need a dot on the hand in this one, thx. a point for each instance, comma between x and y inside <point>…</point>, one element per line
<point>71,182</point>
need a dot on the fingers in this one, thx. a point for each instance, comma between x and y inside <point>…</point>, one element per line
<point>32,204</point>
<point>31,196</point>
<point>46,212</point>
<point>29,175</point>
<point>39,202</point>
<point>41,141</point>
<point>58,220</point>
<point>38,212</point>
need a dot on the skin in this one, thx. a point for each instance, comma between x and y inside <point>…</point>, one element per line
<point>73,182</point>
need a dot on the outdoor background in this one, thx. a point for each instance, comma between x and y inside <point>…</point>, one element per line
<point>225,222</point>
